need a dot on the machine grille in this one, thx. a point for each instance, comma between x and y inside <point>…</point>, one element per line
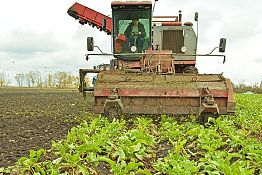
<point>173,40</point>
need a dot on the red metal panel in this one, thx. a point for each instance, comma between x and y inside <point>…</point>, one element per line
<point>191,62</point>
<point>219,93</point>
<point>129,64</point>
<point>159,93</point>
<point>90,16</point>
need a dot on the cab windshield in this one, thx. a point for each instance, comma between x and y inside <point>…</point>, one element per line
<point>132,30</point>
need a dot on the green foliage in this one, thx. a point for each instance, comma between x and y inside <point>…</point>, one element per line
<point>249,112</point>
<point>232,145</point>
<point>175,163</point>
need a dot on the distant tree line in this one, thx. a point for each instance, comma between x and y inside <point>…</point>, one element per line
<point>36,79</point>
<point>242,87</point>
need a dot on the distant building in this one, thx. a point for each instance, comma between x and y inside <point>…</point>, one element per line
<point>248,92</point>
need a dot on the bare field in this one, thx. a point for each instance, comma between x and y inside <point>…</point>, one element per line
<point>31,118</point>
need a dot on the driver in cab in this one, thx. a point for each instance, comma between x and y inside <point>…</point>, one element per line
<point>135,33</point>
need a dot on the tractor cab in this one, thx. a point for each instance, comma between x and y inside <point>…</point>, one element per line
<point>131,27</point>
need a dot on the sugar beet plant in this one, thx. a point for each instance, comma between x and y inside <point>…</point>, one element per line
<point>232,145</point>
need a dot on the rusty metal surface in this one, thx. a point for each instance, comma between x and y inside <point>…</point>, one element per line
<point>164,94</point>
<point>157,61</point>
<point>159,105</point>
<point>158,93</point>
<point>114,76</point>
<point>231,102</point>
<point>169,36</point>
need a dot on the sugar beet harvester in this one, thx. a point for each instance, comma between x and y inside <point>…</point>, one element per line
<point>153,70</point>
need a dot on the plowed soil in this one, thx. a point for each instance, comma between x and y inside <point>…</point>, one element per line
<point>32,118</point>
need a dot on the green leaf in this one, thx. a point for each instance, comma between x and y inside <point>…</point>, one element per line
<point>137,147</point>
<point>57,161</point>
<point>144,171</point>
<point>82,169</point>
<point>120,154</point>
<point>105,159</point>
<point>133,166</point>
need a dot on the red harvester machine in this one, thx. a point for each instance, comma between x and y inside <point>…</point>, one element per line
<point>153,70</point>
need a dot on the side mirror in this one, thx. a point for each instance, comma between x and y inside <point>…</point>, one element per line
<point>104,24</point>
<point>222,45</point>
<point>90,43</point>
<point>196,16</point>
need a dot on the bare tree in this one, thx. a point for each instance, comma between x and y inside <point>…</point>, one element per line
<point>8,81</point>
<point>38,79</point>
<point>69,79</point>
<point>32,78</point>
<point>4,81</point>
<point>61,78</point>
<point>19,78</point>
<point>49,81</point>
<point>22,79</point>
<point>72,80</point>
<point>28,79</point>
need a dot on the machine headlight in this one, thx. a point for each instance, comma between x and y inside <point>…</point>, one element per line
<point>133,48</point>
<point>183,49</point>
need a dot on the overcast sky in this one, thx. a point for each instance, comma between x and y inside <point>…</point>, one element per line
<point>40,35</point>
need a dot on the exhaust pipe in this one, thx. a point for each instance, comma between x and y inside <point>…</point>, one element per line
<point>180,16</point>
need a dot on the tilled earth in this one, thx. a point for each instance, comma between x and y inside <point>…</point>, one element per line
<point>32,118</point>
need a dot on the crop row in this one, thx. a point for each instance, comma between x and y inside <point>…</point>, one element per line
<point>231,145</point>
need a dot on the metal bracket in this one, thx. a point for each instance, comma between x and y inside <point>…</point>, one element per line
<point>208,104</point>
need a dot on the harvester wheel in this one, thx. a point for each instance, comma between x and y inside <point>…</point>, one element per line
<point>203,118</point>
